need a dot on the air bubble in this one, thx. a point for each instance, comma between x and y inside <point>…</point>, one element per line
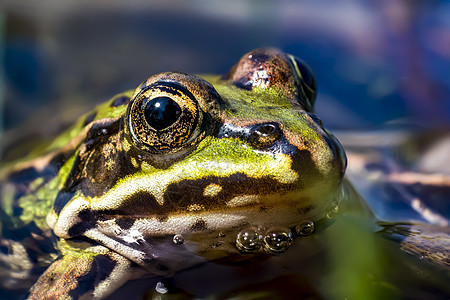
<point>178,239</point>
<point>334,209</point>
<point>248,240</point>
<point>160,288</point>
<point>305,228</point>
<point>277,240</point>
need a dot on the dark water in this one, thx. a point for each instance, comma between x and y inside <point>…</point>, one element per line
<point>343,261</point>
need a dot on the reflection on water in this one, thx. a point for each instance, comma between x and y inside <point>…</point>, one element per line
<point>343,259</point>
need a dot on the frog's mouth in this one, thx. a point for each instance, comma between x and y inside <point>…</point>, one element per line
<point>142,229</point>
<point>195,212</point>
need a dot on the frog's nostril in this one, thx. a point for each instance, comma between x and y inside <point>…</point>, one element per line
<point>266,129</point>
<point>265,134</point>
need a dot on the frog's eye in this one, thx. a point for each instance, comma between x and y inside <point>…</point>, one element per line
<point>163,117</point>
<point>307,80</point>
<point>268,68</point>
<point>161,112</point>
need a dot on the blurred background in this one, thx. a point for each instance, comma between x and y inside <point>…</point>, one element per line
<point>375,60</point>
<point>378,63</point>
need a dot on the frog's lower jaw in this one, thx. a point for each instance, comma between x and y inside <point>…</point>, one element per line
<point>147,240</point>
<point>95,270</point>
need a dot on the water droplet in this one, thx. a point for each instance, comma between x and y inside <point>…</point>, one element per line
<point>277,240</point>
<point>305,228</point>
<point>178,239</point>
<point>334,208</point>
<point>248,240</point>
<point>160,288</point>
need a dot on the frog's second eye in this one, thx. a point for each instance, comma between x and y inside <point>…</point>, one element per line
<point>163,117</point>
<point>307,80</point>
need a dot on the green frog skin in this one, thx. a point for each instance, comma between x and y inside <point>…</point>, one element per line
<point>163,178</point>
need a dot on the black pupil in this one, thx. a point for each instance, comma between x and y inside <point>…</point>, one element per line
<point>161,112</point>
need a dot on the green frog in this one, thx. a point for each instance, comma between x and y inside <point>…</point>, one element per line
<point>184,170</point>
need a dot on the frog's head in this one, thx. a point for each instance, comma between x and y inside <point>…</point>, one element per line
<point>190,154</point>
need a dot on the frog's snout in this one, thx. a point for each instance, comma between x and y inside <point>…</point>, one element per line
<point>261,135</point>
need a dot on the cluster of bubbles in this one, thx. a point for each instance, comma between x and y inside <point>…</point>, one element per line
<point>275,240</point>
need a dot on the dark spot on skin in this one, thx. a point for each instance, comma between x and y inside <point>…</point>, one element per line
<point>119,101</point>
<point>305,210</point>
<point>90,118</point>
<point>125,222</point>
<point>199,225</point>
<point>138,204</point>
<point>216,245</point>
<point>87,221</point>
<point>83,239</point>
<point>263,209</point>
<point>303,163</point>
<point>101,268</point>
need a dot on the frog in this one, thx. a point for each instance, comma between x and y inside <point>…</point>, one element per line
<point>164,177</point>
